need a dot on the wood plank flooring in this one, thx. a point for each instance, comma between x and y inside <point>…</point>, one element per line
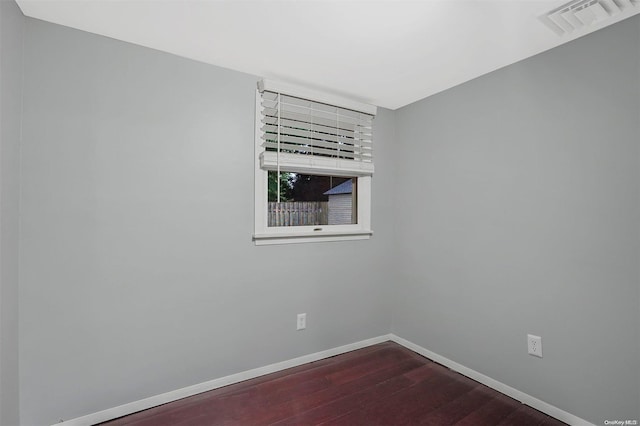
<point>385,384</point>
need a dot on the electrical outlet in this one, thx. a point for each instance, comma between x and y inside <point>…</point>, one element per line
<point>534,344</point>
<point>302,322</point>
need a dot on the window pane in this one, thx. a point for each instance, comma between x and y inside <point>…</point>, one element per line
<point>311,200</point>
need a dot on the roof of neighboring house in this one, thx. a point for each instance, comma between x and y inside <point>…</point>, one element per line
<point>345,187</point>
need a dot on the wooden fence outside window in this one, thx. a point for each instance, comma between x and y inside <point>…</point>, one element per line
<point>298,213</point>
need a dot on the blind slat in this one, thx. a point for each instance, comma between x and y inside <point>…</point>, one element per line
<point>353,139</point>
<point>316,107</point>
<point>284,122</point>
<point>310,143</point>
<point>337,122</point>
<point>288,146</point>
<point>298,149</point>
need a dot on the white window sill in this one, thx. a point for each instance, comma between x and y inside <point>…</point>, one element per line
<point>294,238</point>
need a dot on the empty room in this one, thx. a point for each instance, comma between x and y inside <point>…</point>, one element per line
<point>218,212</point>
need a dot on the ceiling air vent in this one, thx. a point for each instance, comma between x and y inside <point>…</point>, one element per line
<point>582,13</point>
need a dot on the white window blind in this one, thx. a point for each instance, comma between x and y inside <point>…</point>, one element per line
<point>301,135</point>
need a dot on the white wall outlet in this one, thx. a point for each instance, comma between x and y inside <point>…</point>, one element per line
<point>534,344</point>
<point>302,322</point>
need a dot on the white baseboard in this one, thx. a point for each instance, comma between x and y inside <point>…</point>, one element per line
<point>154,401</point>
<point>494,384</point>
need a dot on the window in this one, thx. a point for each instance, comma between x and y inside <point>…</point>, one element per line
<point>311,200</point>
<point>313,166</point>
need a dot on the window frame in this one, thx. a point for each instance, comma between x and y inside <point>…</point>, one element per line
<point>268,235</point>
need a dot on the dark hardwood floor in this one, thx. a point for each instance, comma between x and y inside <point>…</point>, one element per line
<point>385,384</point>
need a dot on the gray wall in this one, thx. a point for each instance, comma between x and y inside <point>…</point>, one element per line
<point>139,275</point>
<point>524,190</point>
<point>11,52</point>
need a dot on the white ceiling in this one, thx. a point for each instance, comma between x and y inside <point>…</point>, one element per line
<point>387,53</point>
